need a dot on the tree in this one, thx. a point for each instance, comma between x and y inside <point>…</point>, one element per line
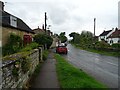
<point>62,37</point>
<point>75,36</point>
<point>43,39</point>
<point>85,39</point>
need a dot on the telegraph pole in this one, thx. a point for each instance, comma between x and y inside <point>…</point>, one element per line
<point>94,32</point>
<point>94,25</point>
<point>45,21</point>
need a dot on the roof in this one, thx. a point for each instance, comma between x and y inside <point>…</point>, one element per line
<point>105,33</point>
<point>38,29</point>
<point>20,24</point>
<point>115,34</point>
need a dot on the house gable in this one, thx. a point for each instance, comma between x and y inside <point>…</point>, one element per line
<point>11,21</point>
<point>104,35</point>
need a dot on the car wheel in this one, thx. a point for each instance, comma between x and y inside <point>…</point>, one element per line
<point>66,52</point>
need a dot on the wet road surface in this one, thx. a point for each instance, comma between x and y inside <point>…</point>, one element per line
<point>101,67</point>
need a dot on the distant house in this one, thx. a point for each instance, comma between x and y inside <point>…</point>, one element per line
<point>39,30</point>
<point>48,32</point>
<point>105,35</point>
<point>42,31</point>
<point>114,37</point>
<point>11,24</point>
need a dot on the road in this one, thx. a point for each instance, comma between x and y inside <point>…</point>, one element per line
<point>101,67</point>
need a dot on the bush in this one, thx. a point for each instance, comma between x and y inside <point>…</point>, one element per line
<point>102,45</point>
<point>27,48</point>
<point>14,45</point>
<point>116,45</point>
<point>45,54</point>
<point>34,45</point>
<point>43,39</point>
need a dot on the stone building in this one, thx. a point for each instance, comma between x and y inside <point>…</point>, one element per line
<point>12,24</point>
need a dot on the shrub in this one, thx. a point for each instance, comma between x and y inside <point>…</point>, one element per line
<point>102,45</point>
<point>13,45</point>
<point>27,48</point>
<point>43,39</point>
<point>116,45</point>
<point>34,45</point>
<point>45,54</point>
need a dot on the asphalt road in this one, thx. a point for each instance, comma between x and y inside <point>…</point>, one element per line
<point>101,67</point>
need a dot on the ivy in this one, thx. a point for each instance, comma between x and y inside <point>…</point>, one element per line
<point>13,45</point>
<point>15,71</point>
<point>25,64</point>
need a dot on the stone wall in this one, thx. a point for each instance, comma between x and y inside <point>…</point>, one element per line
<point>19,78</point>
<point>6,31</point>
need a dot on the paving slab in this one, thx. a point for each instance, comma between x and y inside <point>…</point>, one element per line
<point>47,77</point>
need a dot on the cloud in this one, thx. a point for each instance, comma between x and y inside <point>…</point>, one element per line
<point>67,15</point>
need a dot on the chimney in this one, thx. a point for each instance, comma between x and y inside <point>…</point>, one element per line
<point>38,27</point>
<point>43,26</point>
<point>1,6</point>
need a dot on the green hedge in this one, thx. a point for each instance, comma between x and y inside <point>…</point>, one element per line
<point>116,45</point>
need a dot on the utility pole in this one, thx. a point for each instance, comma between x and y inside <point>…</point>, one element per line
<point>94,25</point>
<point>94,32</point>
<point>45,21</point>
<point>45,46</point>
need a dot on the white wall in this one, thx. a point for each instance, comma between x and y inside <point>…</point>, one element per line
<point>115,40</point>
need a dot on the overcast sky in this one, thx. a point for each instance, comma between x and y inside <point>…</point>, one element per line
<point>66,15</point>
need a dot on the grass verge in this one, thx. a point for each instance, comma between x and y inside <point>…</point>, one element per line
<point>71,77</point>
<point>115,54</point>
<point>45,54</point>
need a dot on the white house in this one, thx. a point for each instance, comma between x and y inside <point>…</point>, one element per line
<point>105,35</point>
<point>114,37</point>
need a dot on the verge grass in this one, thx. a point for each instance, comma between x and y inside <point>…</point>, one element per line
<point>115,54</point>
<point>71,77</point>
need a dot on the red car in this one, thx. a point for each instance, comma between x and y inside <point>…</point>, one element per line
<point>61,49</point>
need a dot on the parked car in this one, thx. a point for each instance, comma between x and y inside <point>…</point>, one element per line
<point>61,49</point>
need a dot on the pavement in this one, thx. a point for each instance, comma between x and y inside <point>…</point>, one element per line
<point>47,77</point>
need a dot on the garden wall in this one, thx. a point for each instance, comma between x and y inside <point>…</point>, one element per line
<point>16,69</point>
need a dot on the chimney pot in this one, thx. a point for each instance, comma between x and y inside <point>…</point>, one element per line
<point>1,6</point>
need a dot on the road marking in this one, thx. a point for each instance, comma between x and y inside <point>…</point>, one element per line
<point>112,63</point>
<point>97,60</point>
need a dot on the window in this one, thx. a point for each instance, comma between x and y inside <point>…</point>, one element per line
<point>13,21</point>
<point>118,41</point>
<point>111,41</point>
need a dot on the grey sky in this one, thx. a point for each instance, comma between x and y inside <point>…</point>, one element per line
<point>67,15</point>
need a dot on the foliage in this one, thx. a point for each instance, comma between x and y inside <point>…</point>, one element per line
<point>85,39</point>
<point>34,45</point>
<point>43,39</point>
<point>71,77</point>
<point>25,64</point>
<point>15,70</point>
<point>102,45</point>
<point>116,45</point>
<point>14,45</point>
<point>45,54</point>
<point>62,37</point>
<point>29,47</point>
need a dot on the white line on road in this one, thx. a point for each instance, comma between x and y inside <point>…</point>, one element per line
<point>112,63</point>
